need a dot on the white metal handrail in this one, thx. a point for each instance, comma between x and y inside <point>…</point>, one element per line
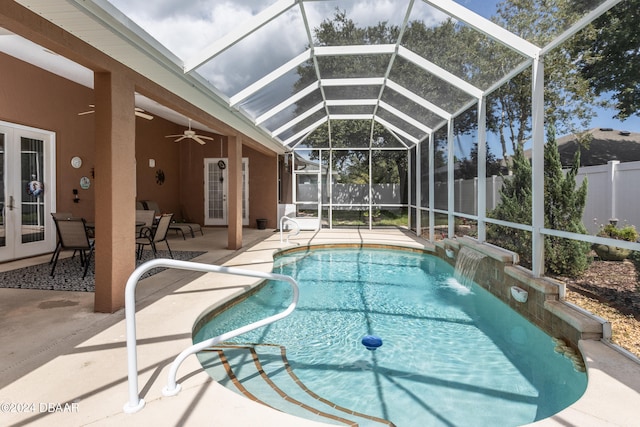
<point>282,221</point>
<point>135,403</point>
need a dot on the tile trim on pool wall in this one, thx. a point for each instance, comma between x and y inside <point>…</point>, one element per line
<point>545,306</point>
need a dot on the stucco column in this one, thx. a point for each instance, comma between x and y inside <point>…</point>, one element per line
<point>115,186</point>
<point>235,192</point>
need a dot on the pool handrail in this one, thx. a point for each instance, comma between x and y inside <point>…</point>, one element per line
<point>135,404</point>
<point>285,218</point>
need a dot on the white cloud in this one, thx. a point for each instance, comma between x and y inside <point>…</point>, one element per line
<point>187,27</point>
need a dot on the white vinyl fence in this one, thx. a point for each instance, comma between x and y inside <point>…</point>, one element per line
<point>613,192</point>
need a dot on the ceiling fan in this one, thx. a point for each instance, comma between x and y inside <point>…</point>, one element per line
<point>138,112</point>
<point>191,134</point>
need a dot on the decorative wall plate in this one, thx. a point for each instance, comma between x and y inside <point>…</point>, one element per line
<point>85,183</point>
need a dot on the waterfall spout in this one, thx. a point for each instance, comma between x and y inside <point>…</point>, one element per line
<point>467,266</point>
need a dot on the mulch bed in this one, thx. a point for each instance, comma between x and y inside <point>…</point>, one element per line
<point>611,290</point>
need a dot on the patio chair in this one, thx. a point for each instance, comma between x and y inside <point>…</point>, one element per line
<point>146,219</point>
<point>179,227</point>
<point>59,215</point>
<point>152,236</point>
<point>72,235</point>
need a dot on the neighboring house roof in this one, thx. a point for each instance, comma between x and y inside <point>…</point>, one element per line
<point>606,144</point>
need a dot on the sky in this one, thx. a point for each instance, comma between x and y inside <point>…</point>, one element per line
<point>187,27</point>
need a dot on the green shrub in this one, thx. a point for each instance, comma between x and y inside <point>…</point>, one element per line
<point>628,232</point>
<point>563,209</point>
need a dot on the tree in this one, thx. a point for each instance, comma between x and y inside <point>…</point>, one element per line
<point>468,167</point>
<point>608,57</point>
<point>354,165</point>
<point>515,206</point>
<point>569,98</point>
<point>563,209</point>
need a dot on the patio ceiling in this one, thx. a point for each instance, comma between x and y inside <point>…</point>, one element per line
<point>279,86</point>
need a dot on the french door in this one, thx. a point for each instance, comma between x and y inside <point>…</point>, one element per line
<point>216,190</point>
<point>27,191</point>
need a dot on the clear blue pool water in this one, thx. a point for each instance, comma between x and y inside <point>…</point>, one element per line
<point>451,355</point>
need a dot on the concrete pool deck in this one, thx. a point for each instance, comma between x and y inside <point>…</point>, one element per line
<point>62,364</point>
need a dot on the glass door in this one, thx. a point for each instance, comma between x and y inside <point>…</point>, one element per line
<point>216,188</point>
<point>27,185</point>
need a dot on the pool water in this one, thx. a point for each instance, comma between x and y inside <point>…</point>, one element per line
<point>451,355</point>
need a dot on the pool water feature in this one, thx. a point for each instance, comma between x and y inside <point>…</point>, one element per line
<point>452,355</point>
<point>467,265</point>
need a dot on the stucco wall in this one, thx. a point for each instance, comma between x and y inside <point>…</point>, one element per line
<point>151,143</point>
<point>33,97</point>
<point>262,180</point>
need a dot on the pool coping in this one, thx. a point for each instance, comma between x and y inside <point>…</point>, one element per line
<point>91,371</point>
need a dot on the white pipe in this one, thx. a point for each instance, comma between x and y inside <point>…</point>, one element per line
<point>135,404</point>
<point>172,388</point>
<point>282,221</point>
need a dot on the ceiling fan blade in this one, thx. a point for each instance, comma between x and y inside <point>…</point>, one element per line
<point>174,136</point>
<point>197,138</point>
<point>205,137</point>
<point>86,112</point>
<point>141,113</point>
<point>180,139</point>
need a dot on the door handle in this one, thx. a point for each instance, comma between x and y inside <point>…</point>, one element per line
<point>10,206</point>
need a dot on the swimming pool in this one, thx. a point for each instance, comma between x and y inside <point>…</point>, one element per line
<point>451,355</point>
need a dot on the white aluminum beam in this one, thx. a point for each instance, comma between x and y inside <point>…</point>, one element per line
<point>413,122</point>
<point>241,32</point>
<point>396,129</point>
<point>579,25</point>
<point>350,116</point>
<point>270,78</point>
<point>494,31</point>
<point>519,69</point>
<point>432,188</point>
<point>537,167</point>
<point>441,73</point>
<point>306,130</point>
<point>364,81</point>
<point>328,103</point>
<point>381,49</point>
<point>350,102</point>
<point>288,102</point>
<point>418,100</point>
<point>482,169</point>
<point>298,119</point>
<point>451,201</point>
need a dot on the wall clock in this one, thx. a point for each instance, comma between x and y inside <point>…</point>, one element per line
<point>76,162</point>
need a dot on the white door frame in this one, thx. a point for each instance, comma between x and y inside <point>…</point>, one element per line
<point>15,193</point>
<point>216,211</point>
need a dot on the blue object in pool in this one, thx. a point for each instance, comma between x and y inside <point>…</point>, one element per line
<point>371,342</point>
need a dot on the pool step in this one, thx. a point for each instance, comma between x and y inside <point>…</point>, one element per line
<point>263,370</point>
